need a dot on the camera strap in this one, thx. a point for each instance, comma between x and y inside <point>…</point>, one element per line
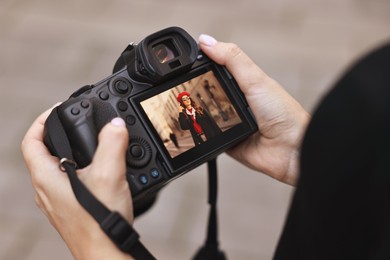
<point>210,250</point>
<point>112,223</point>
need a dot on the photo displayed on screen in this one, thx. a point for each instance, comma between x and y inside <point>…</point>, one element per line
<point>191,113</point>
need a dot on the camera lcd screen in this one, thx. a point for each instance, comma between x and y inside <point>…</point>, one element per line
<point>191,114</point>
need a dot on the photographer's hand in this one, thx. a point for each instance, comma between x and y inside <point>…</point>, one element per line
<point>281,119</point>
<point>105,178</point>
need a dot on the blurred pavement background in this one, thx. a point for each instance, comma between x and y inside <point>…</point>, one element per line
<point>48,49</point>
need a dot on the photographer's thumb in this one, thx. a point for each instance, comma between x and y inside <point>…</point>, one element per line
<point>110,156</point>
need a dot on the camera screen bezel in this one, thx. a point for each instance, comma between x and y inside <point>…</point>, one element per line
<point>210,148</point>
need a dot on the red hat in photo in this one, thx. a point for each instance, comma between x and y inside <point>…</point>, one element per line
<point>181,95</point>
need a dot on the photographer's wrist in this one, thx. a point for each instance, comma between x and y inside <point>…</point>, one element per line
<point>293,171</point>
<point>96,245</point>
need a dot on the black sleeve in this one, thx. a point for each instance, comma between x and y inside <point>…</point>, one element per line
<point>183,121</point>
<point>341,207</point>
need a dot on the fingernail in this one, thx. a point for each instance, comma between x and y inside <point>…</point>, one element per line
<point>207,40</point>
<point>117,121</point>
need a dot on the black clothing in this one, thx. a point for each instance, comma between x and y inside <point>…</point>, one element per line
<point>206,122</point>
<point>341,206</point>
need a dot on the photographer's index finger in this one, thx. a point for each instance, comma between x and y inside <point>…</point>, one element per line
<point>32,146</point>
<point>35,132</point>
<point>36,129</point>
<point>38,159</point>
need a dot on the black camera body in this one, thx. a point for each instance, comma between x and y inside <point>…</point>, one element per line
<point>146,90</point>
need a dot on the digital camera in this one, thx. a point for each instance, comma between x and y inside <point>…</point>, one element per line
<point>181,110</point>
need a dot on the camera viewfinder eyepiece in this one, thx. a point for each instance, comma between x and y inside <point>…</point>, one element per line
<point>163,55</point>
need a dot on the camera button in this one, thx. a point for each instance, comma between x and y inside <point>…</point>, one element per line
<point>143,179</point>
<point>75,111</point>
<point>130,120</point>
<point>104,95</point>
<point>84,104</point>
<point>122,106</point>
<point>122,86</point>
<point>137,151</point>
<point>154,173</point>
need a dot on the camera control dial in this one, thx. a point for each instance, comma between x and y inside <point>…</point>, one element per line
<point>139,152</point>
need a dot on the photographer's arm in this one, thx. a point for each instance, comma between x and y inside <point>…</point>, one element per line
<point>105,178</point>
<point>281,119</point>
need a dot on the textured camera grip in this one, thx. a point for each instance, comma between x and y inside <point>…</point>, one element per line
<point>83,119</point>
<point>53,136</point>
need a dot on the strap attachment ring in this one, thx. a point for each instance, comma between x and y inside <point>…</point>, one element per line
<point>66,160</point>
